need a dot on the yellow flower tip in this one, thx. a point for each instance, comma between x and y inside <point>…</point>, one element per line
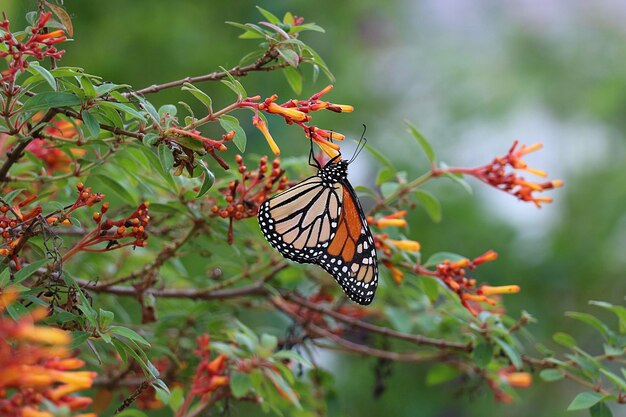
<point>260,124</point>
<point>537,172</point>
<point>518,379</point>
<point>327,148</point>
<point>406,245</point>
<point>504,289</point>
<point>29,411</point>
<point>46,335</point>
<point>325,90</point>
<point>533,186</point>
<point>391,223</point>
<point>70,364</point>
<point>289,113</point>
<point>525,150</point>
<point>345,108</point>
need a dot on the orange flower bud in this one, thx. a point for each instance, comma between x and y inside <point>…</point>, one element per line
<point>504,289</point>
<point>217,365</point>
<point>486,257</point>
<point>42,334</point>
<point>406,245</point>
<point>217,381</point>
<point>289,113</point>
<point>463,263</point>
<point>390,222</point>
<point>518,379</point>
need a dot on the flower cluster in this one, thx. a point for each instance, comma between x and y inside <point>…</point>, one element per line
<point>59,129</point>
<point>454,275</point>
<point>37,369</point>
<point>13,224</point>
<point>211,375</point>
<point>38,45</point>
<point>246,195</point>
<point>297,112</point>
<point>497,175</point>
<point>132,228</point>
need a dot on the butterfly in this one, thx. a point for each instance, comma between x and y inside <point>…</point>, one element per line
<point>320,221</point>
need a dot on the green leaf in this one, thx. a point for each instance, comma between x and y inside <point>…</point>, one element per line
<point>564,339</point>
<point>44,73</point>
<point>550,375</point>
<point>307,26</point>
<point>166,157</point>
<point>290,56</point>
<point>87,86</point>
<point>482,354</point>
<point>116,187</point>
<point>250,31</point>
<point>439,257</point>
<point>129,334</point>
<point>105,318</point>
<point>177,397</point>
<point>509,351</point>
<point>199,94</point>
<point>105,88</point>
<point>269,16</point>
<point>240,384</point>
<point>591,321</point>
<point>428,150</point>
<point>209,179</point>
<point>430,203</point>
<point>440,373</point>
<point>431,287</point>
<point>49,99</point>
<point>294,78</point>
<point>123,108</point>
<point>615,379</point>
<point>167,108</point>
<point>600,410</point>
<point>28,270</point>
<point>585,400</point>
<point>78,338</point>
<point>8,198</point>
<point>619,311</point>
<point>279,382</point>
<point>269,341</point>
<point>230,123</point>
<point>234,84</point>
<point>162,390</point>
<point>384,175</point>
<point>293,356</point>
<point>90,121</point>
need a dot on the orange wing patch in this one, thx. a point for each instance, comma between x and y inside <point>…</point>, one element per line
<point>348,231</point>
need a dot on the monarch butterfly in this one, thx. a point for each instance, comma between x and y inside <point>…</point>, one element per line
<point>320,221</point>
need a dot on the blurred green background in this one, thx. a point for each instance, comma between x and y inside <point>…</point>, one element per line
<point>473,76</point>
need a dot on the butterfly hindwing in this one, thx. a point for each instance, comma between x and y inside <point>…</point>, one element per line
<point>351,256</point>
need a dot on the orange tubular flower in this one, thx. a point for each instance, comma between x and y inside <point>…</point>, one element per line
<point>287,113</point>
<point>396,274</point>
<point>260,124</point>
<point>518,379</point>
<point>391,220</point>
<point>36,366</point>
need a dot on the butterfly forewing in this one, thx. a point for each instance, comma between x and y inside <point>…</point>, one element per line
<point>299,221</point>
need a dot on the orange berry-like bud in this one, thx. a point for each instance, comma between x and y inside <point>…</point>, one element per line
<point>4,252</point>
<point>216,382</point>
<point>214,209</point>
<point>80,186</point>
<point>97,216</point>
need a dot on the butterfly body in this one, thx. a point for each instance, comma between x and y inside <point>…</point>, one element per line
<point>320,221</point>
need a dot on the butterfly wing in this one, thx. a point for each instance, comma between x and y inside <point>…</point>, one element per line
<point>299,221</point>
<point>351,256</point>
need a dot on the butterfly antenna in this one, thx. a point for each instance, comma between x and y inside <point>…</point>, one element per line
<point>360,145</point>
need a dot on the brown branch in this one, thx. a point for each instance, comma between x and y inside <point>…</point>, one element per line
<point>417,339</point>
<point>349,346</point>
<point>258,65</point>
<point>192,294</point>
<point>132,397</point>
<point>18,151</point>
